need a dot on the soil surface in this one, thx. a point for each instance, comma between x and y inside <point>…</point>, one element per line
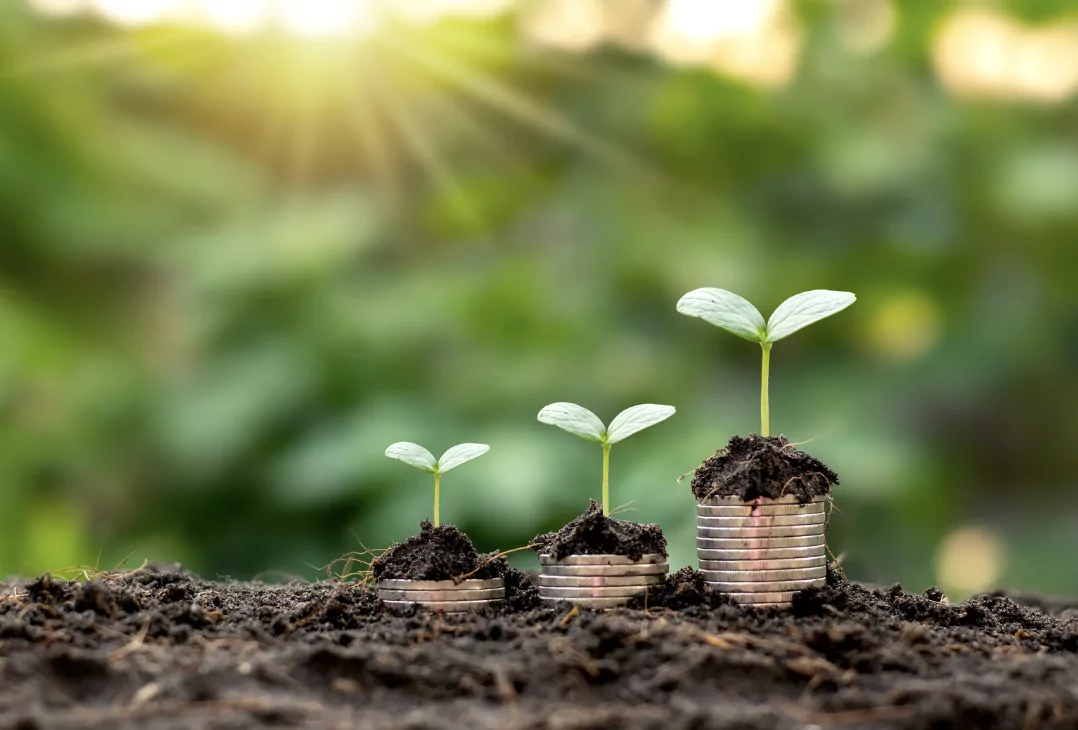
<point>160,648</point>
<point>594,534</point>
<point>446,553</point>
<point>762,467</point>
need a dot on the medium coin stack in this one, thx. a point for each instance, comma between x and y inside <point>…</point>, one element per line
<point>599,581</point>
<point>443,595</point>
<point>764,551</point>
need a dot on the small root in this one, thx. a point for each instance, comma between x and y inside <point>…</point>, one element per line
<point>497,554</point>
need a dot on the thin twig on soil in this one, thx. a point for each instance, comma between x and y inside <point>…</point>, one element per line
<point>497,554</point>
<point>133,645</point>
<point>573,613</point>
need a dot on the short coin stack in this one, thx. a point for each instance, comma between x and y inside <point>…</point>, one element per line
<point>443,595</point>
<point>764,551</point>
<point>599,581</point>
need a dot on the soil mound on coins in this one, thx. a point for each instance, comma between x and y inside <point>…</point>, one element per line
<point>446,553</point>
<point>762,467</point>
<point>436,553</point>
<point>160,648</point>
<point>592,533</point>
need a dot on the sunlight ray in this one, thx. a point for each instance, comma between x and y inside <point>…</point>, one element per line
<point>456,112</point>
<point>371,141</point>
<point>302,151</point>
<point>429,156</point>
<point>118,48</point>
<point>520,107</point>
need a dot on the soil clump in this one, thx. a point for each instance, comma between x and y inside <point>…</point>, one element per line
<point>757,466</point>
<point>592,533</point>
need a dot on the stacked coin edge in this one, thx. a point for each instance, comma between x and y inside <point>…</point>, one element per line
<point>763,551</point>
<point>599,581</point>
<point>445,596</point>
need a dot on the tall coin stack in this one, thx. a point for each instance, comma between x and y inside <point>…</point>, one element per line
<point>764,551</point>
<point>443,595</point>
<point>599,581</point>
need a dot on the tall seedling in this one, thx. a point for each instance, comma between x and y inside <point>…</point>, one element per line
<point>736,315</point>
<point>415,455</point>
<point>581,422</point>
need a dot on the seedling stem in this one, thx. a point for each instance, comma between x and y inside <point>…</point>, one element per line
<point>437,491</point>
<point>606,479</point>
<point>765,405</point>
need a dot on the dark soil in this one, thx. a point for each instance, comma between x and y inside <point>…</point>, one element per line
<point>594,534</point>
<point>160,648</point>
<point>762,467</point>
<point>446,553</point>
<point>436,553</point>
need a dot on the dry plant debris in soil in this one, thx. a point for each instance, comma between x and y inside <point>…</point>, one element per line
<point>161,648</point>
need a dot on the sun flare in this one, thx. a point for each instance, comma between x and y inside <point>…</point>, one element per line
<point>324,18</point>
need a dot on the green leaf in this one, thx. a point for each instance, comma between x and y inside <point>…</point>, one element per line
<point>803,309</point>
<point>575,419</point>
<point>637,418</point>
<point>459,454</point>
<point>724,309</point>
<point>412,455</point>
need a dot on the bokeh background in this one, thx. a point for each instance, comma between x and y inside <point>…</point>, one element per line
<point>246,244</point>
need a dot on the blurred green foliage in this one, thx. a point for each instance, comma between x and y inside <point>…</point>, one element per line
<point>233,272</point>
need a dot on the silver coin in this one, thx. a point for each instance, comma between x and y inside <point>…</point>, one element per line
<point>387,594</point>
<point>571,592</point>
<point>762,553</point>
<point>725,533</point>
<point>756,543</point>
<point>448,606</point>
<point>598,580</point>
<point>785,604</point>
<point>762,521</point>
<point>596,603</point>
<point>775,597</point>
<point>721,576</point>
<point>621,570</point>
<point>748,510</point>
<point>753,565</point>
<point>768,586</point>
<point>440,585</point>
<point>601,559</point>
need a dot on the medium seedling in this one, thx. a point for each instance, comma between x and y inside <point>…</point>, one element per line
<point>581,422</point>
<point>415,455</point>
<point>736,315</point>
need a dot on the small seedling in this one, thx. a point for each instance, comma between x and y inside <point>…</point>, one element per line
<point>736,315</point>
<point>581,422</point>
<point>415,455</point>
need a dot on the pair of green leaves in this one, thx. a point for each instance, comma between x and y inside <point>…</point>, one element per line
<point>581,422</point>
<point>415,455</point>
<point>736,315</point>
